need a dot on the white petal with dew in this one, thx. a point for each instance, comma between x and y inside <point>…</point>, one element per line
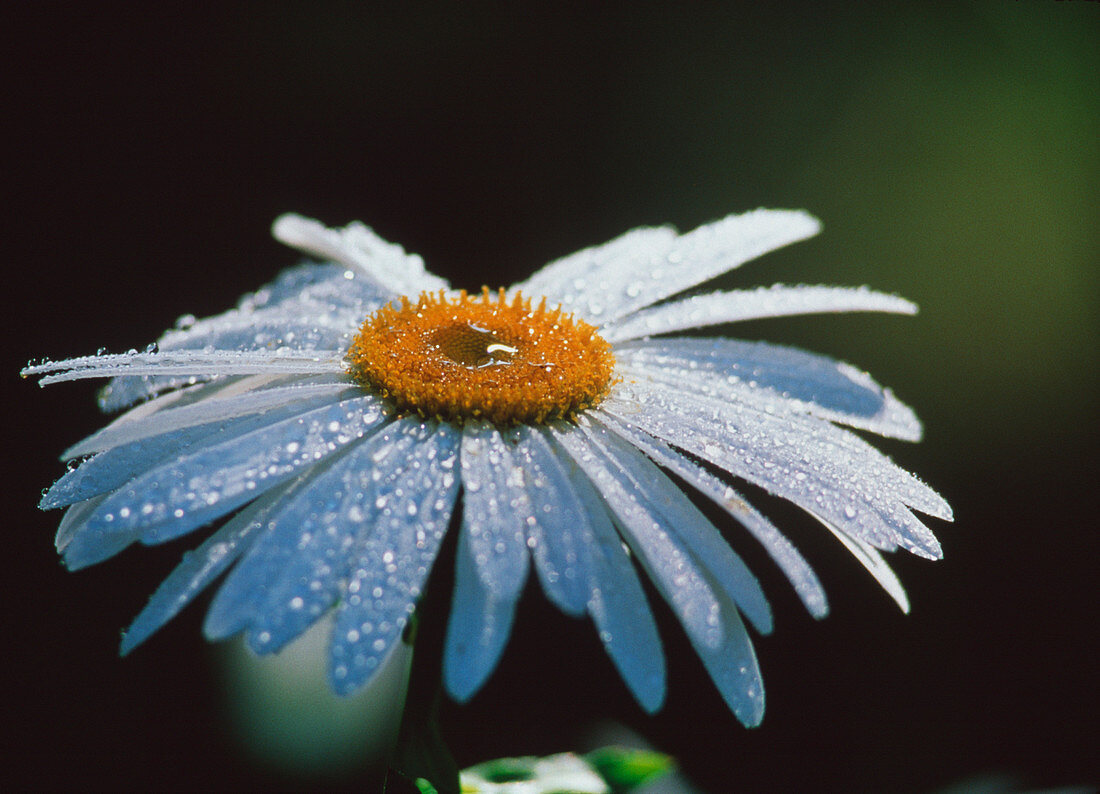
<point>313,329</point>
<point>357,246</point>
<point>478,628</point>
<point>390,570</point>
<point>725,570</point>
<point>561,528</point>
<point>772,378</point>
<point>495,510</point>
<point>601,269</point>
<point>870,559</point>
<point>187,362</point>
<point>781,550</point>
<point>810,462</point>
<point>301,309</point>
<point>206,412</point>
<point>125,391</point>
<point>333,286</point>
<point>645,266</point>
<point>617,603</point>
<point>197,570</point>
<point>669,564</point>
<point>716,308</point>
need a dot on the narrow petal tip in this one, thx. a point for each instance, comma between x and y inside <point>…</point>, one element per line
<point>293,229</point>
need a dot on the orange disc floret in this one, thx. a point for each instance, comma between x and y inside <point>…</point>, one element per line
<point>463,357</point>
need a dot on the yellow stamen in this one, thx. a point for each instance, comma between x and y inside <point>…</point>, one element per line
<point>463,357</point>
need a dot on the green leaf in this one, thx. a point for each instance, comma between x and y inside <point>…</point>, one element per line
<point>564,773</point>
<point>425,787</point>
<point>625,768</point>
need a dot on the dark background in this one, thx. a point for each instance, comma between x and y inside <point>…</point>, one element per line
<point>952,156</point>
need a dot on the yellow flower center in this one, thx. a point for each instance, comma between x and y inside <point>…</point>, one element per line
<point>463,357</point>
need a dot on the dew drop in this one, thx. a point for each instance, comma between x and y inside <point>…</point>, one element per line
<point>472,346</point>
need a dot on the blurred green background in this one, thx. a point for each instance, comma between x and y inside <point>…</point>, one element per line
<point>951,152</point>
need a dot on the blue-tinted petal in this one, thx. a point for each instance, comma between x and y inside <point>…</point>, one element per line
<point>197,570</point>
<point>495,510</point>
<point>237,601</point>
<point>726,571</point>
<point>618,604</point>
<point>115,467</point>
<point>173,499</point>
<point>561,526</point>
<point>785,555</point>
<point>73,520</point>
<point>661,553</point>
<point>390,570</point>
<point>734,669</point>
<point>478,628</point>
<point>322,531</point>
<point>774,378</point>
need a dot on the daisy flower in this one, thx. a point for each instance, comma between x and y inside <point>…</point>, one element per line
<point>346,415</point>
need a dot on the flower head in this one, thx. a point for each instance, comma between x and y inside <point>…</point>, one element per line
<point>346,415</point>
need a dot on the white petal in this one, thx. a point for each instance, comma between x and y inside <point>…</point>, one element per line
<point>306,330</point>
<point>600,269</point>
<point>645,266</point>
<point>870,559</point>
<point>724,568</point>
<point>390,571</point>
<point>212,409</point>
<point>785,555</point>
<point>669,564</point>
<point>811,463</point>
<point>478,628</point>
<point>333,286</point>
<point>772,378</point>
<point>495,510</point>
<point>561,529</point>
<point>301,309</point>
<point>618,604</point>
<point>197,570</point>
<point>187,394</point>
<point>356,246</point>
<point>187,363</point>
<point>123,391</point>
<point>716,308</point>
